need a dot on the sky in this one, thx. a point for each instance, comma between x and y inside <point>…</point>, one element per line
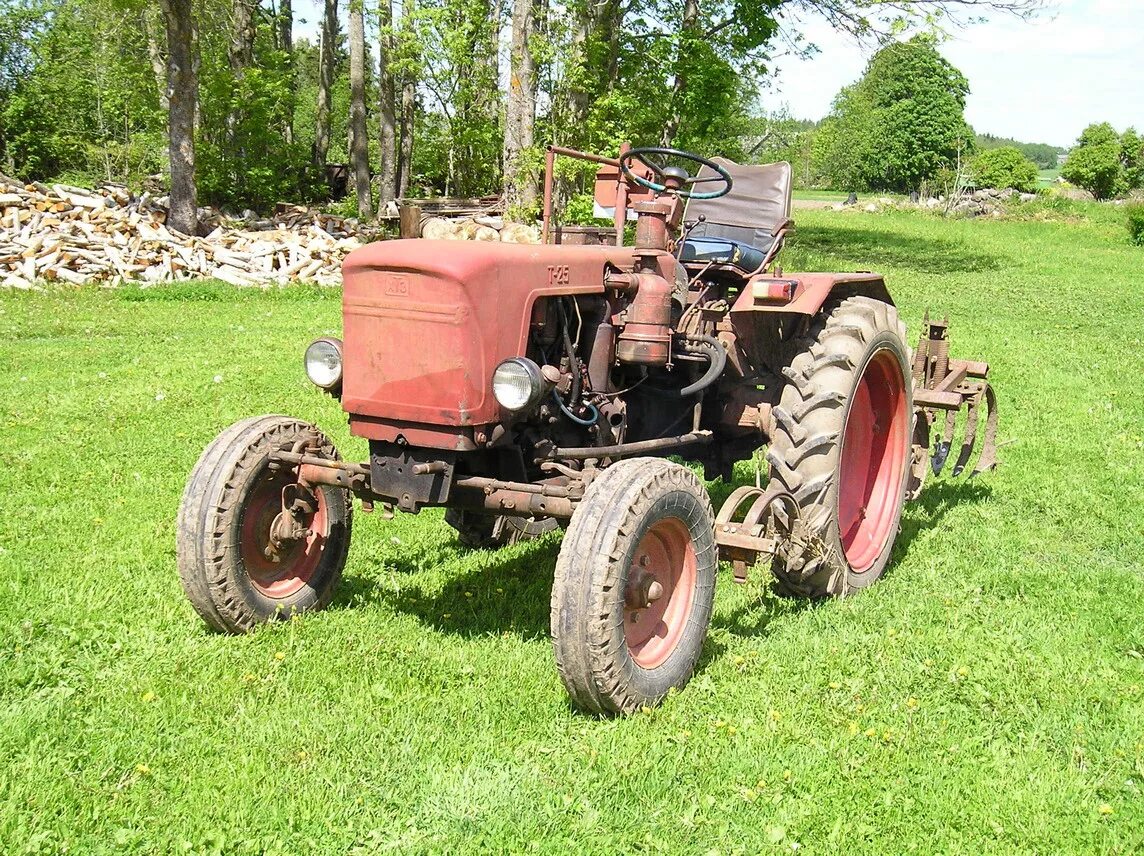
<point>1039,81</point>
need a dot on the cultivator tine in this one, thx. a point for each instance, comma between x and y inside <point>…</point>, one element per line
<point>941,449</point>
<point>988,459</point>
<point>766,527</point>
<point>971,419</point>
<point>941,383</point>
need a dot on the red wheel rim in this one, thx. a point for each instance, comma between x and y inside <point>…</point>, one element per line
<point>297,564</point>
<point>873,461</point>
<point>666,556</point>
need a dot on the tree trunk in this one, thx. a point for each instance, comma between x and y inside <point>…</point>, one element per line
<point>286,45</point>
<point>240,56</point>
<point>520,112</point>
<point>387,189</point>
<point>243,32</point>
<point>679,85</point>
<point>155,57</point>
<point>325,81</point>
<point>183,96</point>
<point>359,142</point>
<point>408,97</point>
<point>595,71</point>
<point>286,27</point>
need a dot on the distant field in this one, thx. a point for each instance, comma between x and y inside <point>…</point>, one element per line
<point>1048,177</point>
<point>986,697</point>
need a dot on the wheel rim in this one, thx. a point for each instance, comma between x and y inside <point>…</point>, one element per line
<point>873,460</point>
<point>665,556</point>
<point>297,564</point>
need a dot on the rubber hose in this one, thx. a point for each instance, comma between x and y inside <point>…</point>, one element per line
<point>573,361</point>
<point>718,362</point>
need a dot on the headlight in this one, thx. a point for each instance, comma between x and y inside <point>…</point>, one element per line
<point>324,363</point>
<point>517,383</point>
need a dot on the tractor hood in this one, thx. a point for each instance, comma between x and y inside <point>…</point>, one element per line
<point>427,322</point>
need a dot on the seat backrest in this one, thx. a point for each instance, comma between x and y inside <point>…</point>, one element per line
<point>760,200</point>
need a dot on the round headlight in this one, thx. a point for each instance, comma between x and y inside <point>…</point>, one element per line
<point>517,383</point>
<point>324,362</point>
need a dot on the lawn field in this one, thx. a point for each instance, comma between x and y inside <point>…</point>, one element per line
<point>986,697</point>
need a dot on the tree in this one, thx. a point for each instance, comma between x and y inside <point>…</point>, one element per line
<point>1132,158</point>
<point>900,124</point>
<point>182,96</point>
<point>520,113</point>
<point>1095,162</point>
<point>325,80</point>
<point>387,112</point>
<point>1004,168</point>
<point>359,141</point>
<point>410,61</point>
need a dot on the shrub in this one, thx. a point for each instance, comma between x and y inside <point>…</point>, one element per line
<point>1136,223</point>
<point>1003,168</point>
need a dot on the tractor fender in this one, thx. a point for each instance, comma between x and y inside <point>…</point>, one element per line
<point>805,293</point>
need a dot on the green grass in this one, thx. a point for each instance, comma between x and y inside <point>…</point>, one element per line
<point>1048,177</point>
<point>986,697</point>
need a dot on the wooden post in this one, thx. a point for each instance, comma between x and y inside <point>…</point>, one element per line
<point>410,221</point>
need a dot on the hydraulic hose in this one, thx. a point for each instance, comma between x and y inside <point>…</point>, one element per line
<point>717,357</point>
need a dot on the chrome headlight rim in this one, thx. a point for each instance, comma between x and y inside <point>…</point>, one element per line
<point>327,351</point>
<point>524,369</point>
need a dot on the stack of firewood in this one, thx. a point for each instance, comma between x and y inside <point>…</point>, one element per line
<point>479,228</point>
<point>67,234</point>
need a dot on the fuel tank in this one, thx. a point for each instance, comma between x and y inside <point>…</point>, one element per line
<point>427,322</point>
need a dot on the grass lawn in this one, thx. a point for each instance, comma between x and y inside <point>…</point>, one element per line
<point>987,696</point>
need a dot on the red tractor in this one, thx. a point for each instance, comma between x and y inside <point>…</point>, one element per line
<point>526,387</point>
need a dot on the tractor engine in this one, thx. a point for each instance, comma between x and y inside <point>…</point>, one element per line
<point>493,360</point>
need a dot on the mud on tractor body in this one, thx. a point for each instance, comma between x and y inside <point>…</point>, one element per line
<point>526,387</point>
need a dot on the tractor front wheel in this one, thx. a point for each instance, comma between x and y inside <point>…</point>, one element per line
<point>634,585</point>
<point>841,446</point>
<point>236,568</point>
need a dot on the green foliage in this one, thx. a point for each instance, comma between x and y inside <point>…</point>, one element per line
<point>899,125</point>
<point>1003,168</point>
<point>1042,154</point>
<point>1135,216</point>
<point>1095,163</point>
<point>778,136</point>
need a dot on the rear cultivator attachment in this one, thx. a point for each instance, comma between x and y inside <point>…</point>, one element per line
<point>945,385</point>
<point>794,531</point>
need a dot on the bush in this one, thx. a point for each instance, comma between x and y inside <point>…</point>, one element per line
<point>1003,168</point>
<point>1136,223</point>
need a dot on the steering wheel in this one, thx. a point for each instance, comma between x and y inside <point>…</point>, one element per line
<point>674,177</point>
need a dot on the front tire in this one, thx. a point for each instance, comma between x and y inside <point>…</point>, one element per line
<point>231,498</point>
<point>841,446</point>
<point>634,586</point>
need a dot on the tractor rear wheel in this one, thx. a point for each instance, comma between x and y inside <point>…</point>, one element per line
<point>841,446</point>
<point>230,572</point>
<point>634,585</point>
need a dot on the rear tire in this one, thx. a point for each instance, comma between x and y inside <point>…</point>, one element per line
<point>230,499</point>
<point>634,585</point>
<point>841,446</point>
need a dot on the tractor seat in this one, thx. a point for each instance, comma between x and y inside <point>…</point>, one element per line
<point>746,227</point>
<point>723,251</point>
